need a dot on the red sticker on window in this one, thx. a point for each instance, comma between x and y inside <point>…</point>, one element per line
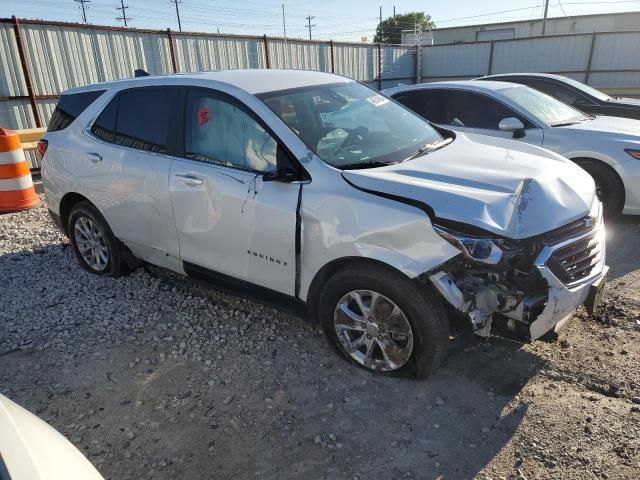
<point>204,115</point>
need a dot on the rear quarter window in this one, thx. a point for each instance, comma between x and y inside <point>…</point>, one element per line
<point>69,107</point>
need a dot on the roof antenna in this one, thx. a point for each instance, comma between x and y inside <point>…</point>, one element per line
<point>140,73</point>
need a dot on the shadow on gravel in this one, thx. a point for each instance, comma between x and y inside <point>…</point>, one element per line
<point>273,402</point>
<point>623,244</point>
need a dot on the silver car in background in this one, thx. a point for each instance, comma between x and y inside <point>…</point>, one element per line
<point>606,147</point>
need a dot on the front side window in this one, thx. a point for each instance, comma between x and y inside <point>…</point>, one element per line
<point>69,107</point>
<point>348,124</point>
<point>476,110</point>
<point>547,109</point>
<point>221,132</point>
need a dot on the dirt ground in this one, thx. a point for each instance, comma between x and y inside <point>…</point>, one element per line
<point>153,376</point>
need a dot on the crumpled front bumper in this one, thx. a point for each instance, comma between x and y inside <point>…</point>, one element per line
<point>564,298</point>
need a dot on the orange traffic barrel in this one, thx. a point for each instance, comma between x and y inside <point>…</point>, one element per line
<point>16,186</point>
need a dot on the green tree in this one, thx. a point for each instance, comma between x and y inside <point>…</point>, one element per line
<point>390,29</point>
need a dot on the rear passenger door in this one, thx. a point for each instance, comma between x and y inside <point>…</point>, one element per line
<point>127,160</point>
<point>229,220</point>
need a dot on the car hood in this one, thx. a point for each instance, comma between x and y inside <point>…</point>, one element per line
<point>32,449</point>
<point>509,188</point>
<point>621,128</point>
<point>626,101</point>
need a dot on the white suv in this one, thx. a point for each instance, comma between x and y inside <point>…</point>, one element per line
<point>313,190</point>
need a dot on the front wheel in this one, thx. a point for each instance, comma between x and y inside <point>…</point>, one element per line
<point>384,322</point>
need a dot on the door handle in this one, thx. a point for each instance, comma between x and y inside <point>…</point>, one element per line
<point>94,157</point>
<point>189,179</point>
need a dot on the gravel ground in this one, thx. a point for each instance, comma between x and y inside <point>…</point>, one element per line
<point>154,376</point>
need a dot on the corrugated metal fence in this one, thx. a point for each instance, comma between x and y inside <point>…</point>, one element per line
<point>38,60</point>
<point>608,60</point>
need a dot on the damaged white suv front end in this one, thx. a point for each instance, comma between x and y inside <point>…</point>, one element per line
<point>529,287</point>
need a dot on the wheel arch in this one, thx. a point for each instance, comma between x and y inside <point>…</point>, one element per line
<point>68,201</point>
<point>607,166</point>
<point>333,267</point>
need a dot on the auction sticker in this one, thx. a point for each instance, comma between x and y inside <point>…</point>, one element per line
<point>377,100</point>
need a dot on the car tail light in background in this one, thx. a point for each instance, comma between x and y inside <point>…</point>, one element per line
<point>42,148</point>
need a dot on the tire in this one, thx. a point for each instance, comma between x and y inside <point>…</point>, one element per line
<point>420,309</point>
<point>608,185</point>
<point>87,225</point>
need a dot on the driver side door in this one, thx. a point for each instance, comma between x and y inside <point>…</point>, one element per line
<point>229,220</point>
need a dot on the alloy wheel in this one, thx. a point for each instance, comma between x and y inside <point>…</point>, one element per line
<point>373,330</point>
<point>91,243</point>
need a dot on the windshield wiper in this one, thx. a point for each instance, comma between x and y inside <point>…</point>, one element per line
<point>368,164</point>
<point>429,147</point>
<point>564,124</point>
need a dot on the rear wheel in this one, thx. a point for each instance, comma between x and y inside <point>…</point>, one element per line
<point>382,321</point>
<point>93,242</point>
<point>609,187</point>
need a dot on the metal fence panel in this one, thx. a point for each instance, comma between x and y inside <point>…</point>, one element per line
<point>300,55</point>
<point>11,81</point>
<point>455,61</point>
<point>62,57</point>
<point>554,54</point>
<point>359,62</point>
<point>616,51</point>
<point>16,114</point>
<point>399,63</point>
<point>197,53</point>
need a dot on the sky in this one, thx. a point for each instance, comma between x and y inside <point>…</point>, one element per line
<point>347,20</point>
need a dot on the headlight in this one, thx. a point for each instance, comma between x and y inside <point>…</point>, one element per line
<point>634,153</point>
<point>483,250</point>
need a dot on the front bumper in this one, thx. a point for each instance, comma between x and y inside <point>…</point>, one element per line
<point>564,297</point>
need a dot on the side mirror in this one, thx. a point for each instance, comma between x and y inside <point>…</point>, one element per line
<point>512,124</point>
<point>285,175</point>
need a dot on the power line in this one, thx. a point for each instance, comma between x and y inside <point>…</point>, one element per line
<point>309,25</point>
<point>123,8</point>
<point>84,11</point>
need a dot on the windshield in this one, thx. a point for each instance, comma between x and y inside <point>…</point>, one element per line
<point>587,89</point>
<point>349,125</point>
<point>547,109</point>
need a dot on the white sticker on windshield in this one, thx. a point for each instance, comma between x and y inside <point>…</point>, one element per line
<point>377,100</point>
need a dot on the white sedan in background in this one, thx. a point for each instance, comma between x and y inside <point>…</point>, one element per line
<point>606,147</point>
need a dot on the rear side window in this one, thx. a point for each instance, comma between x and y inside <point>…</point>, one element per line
<point>69,107</point>
<point>139,118</point>
<point>105,125</point>
<point>429,104</point>
<point>143,119</point>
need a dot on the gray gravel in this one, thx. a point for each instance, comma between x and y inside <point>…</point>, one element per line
<point>153,376</point>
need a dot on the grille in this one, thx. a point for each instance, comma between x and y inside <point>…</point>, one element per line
<point>576,260</point>
<point>571,230</point>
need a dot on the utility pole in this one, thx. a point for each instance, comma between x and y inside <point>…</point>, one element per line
<point>84,12</point>
<point>309,18</point>
<point>381,28</point>
<point>284,25</point>
<point>123,8</point>
<point>178,13</point>
<point>544,20</point>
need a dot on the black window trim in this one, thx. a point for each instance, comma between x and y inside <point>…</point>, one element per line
<point>98,92</point>
<point>290,158</point>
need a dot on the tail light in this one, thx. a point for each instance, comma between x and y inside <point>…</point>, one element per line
<point>42,148</point>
